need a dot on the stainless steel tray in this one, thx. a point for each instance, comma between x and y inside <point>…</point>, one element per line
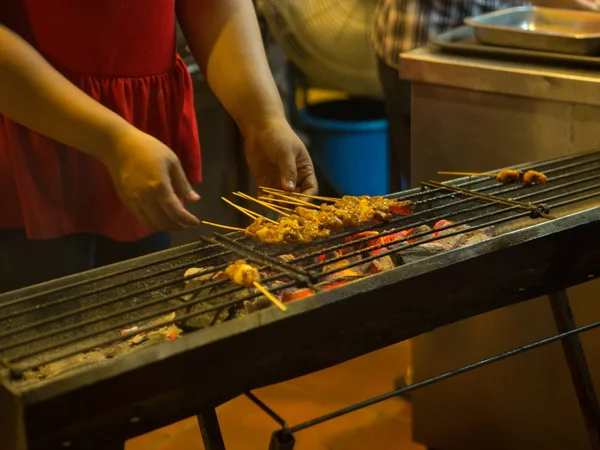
<point>535,28</point>
<point>462,41</point>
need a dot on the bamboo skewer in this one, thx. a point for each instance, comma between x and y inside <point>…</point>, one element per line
<point>265,204</point>
<point>300,194</point>
<point>279,200</point>
<point>226,227</point>
<point>469,174</point>
<point>270,296</point>
<point>301,202</point>
<point>249,213</point>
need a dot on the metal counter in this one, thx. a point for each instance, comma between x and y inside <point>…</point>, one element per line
<point>471,114</point>
<point>474,114</point>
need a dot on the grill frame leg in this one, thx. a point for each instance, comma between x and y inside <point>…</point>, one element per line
<point>577,364</point>
<point>210,430</point>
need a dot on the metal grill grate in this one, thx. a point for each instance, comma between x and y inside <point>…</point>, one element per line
<point>58,323</point>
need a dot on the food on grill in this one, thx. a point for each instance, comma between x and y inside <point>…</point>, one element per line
<point>436,239</point>
<point>243,273</point>
<point>533,177</point>
<point>517,176</point>
<point>507,176</point>
<point>307,224</point>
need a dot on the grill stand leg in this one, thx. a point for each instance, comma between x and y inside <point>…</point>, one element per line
<point>210,429</point>
<point>580,374</point>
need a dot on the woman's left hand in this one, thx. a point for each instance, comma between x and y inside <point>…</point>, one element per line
<point>278,158</point>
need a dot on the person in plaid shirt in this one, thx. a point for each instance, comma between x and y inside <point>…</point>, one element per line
<point>403,25</point>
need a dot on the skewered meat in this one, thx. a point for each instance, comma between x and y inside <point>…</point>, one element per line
<point>243,273</point>
<point>306,224</point>
<point>509,176</point>
<point>517,176</point>
<point>533,177</point>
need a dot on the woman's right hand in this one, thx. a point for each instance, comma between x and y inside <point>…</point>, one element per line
<point>150,181</point>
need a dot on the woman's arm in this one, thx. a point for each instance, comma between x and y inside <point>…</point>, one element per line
<point>146,173</point>
<point>225,39</point>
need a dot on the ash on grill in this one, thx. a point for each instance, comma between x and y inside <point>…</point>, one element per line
<point>241,307</point>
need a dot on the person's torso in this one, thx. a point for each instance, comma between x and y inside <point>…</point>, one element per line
<point>106,38</point>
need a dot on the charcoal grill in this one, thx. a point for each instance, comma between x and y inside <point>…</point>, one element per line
<point>69,381</point>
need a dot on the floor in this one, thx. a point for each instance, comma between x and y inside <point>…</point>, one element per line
<point>384,426</point>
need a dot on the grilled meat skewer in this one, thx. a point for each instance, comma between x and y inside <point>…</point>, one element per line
<point>307,224</point>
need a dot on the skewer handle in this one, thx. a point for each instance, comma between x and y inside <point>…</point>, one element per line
<point>270,296</point>
<point>226,227</point>
<point>469,174</point>
<point>298,194</point>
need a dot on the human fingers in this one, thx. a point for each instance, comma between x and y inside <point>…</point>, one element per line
<point>180,183</point>
<point>286,162</point>
<point>306,181</point>
<point>308,184</point>
<point>162,222</point>
<point>146,220</point>
<point>174,211</point>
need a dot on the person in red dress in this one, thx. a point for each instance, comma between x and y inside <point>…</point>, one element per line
<point>98,136</point>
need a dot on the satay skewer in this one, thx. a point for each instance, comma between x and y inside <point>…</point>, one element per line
<point>270,296</point>
<point>265,204</point>
<point>243,273</point>
<point>280,200</point>
<point>469,174</point>
<point>299,194</point>
<point>226,227</point>
<point>249,213</point>
<point>286,197</point>
<point>508,176</point>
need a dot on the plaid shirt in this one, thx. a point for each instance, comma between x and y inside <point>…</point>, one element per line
<point>403,25</point>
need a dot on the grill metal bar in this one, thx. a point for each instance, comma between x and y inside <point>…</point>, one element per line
<point>446,227</point>
<point>210,430</point>
<point>180,267</point>
<point>428,198</point>
<point>405,197</point>
<point>441,377</point>
<point>536,210</point>
<point>210,297</point>
<point>124,324</point>
<point>576,161</point>
<point>578,367</point>
<point>297,273</point>
<point>97,291</point>
<point>99,278</point>
<point>168,310</point>
<point>17,370</point>
<point>272,414</point>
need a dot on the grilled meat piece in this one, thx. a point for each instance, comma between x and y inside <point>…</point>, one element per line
<point>517,176</point>
<point>509,176</point>
<point>306,224</point>
<point>533,177</point>
<point>242,273</point>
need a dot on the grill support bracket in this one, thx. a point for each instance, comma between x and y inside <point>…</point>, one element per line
<point>578,368</point>
<point>210,430</point>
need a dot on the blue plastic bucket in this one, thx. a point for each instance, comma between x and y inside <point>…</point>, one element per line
<point>349,142</point>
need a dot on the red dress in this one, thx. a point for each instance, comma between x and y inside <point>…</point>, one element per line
<point>121,53</point>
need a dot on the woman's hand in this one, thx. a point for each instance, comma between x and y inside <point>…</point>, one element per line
<point>278,158</point>
<point>150,181</point>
